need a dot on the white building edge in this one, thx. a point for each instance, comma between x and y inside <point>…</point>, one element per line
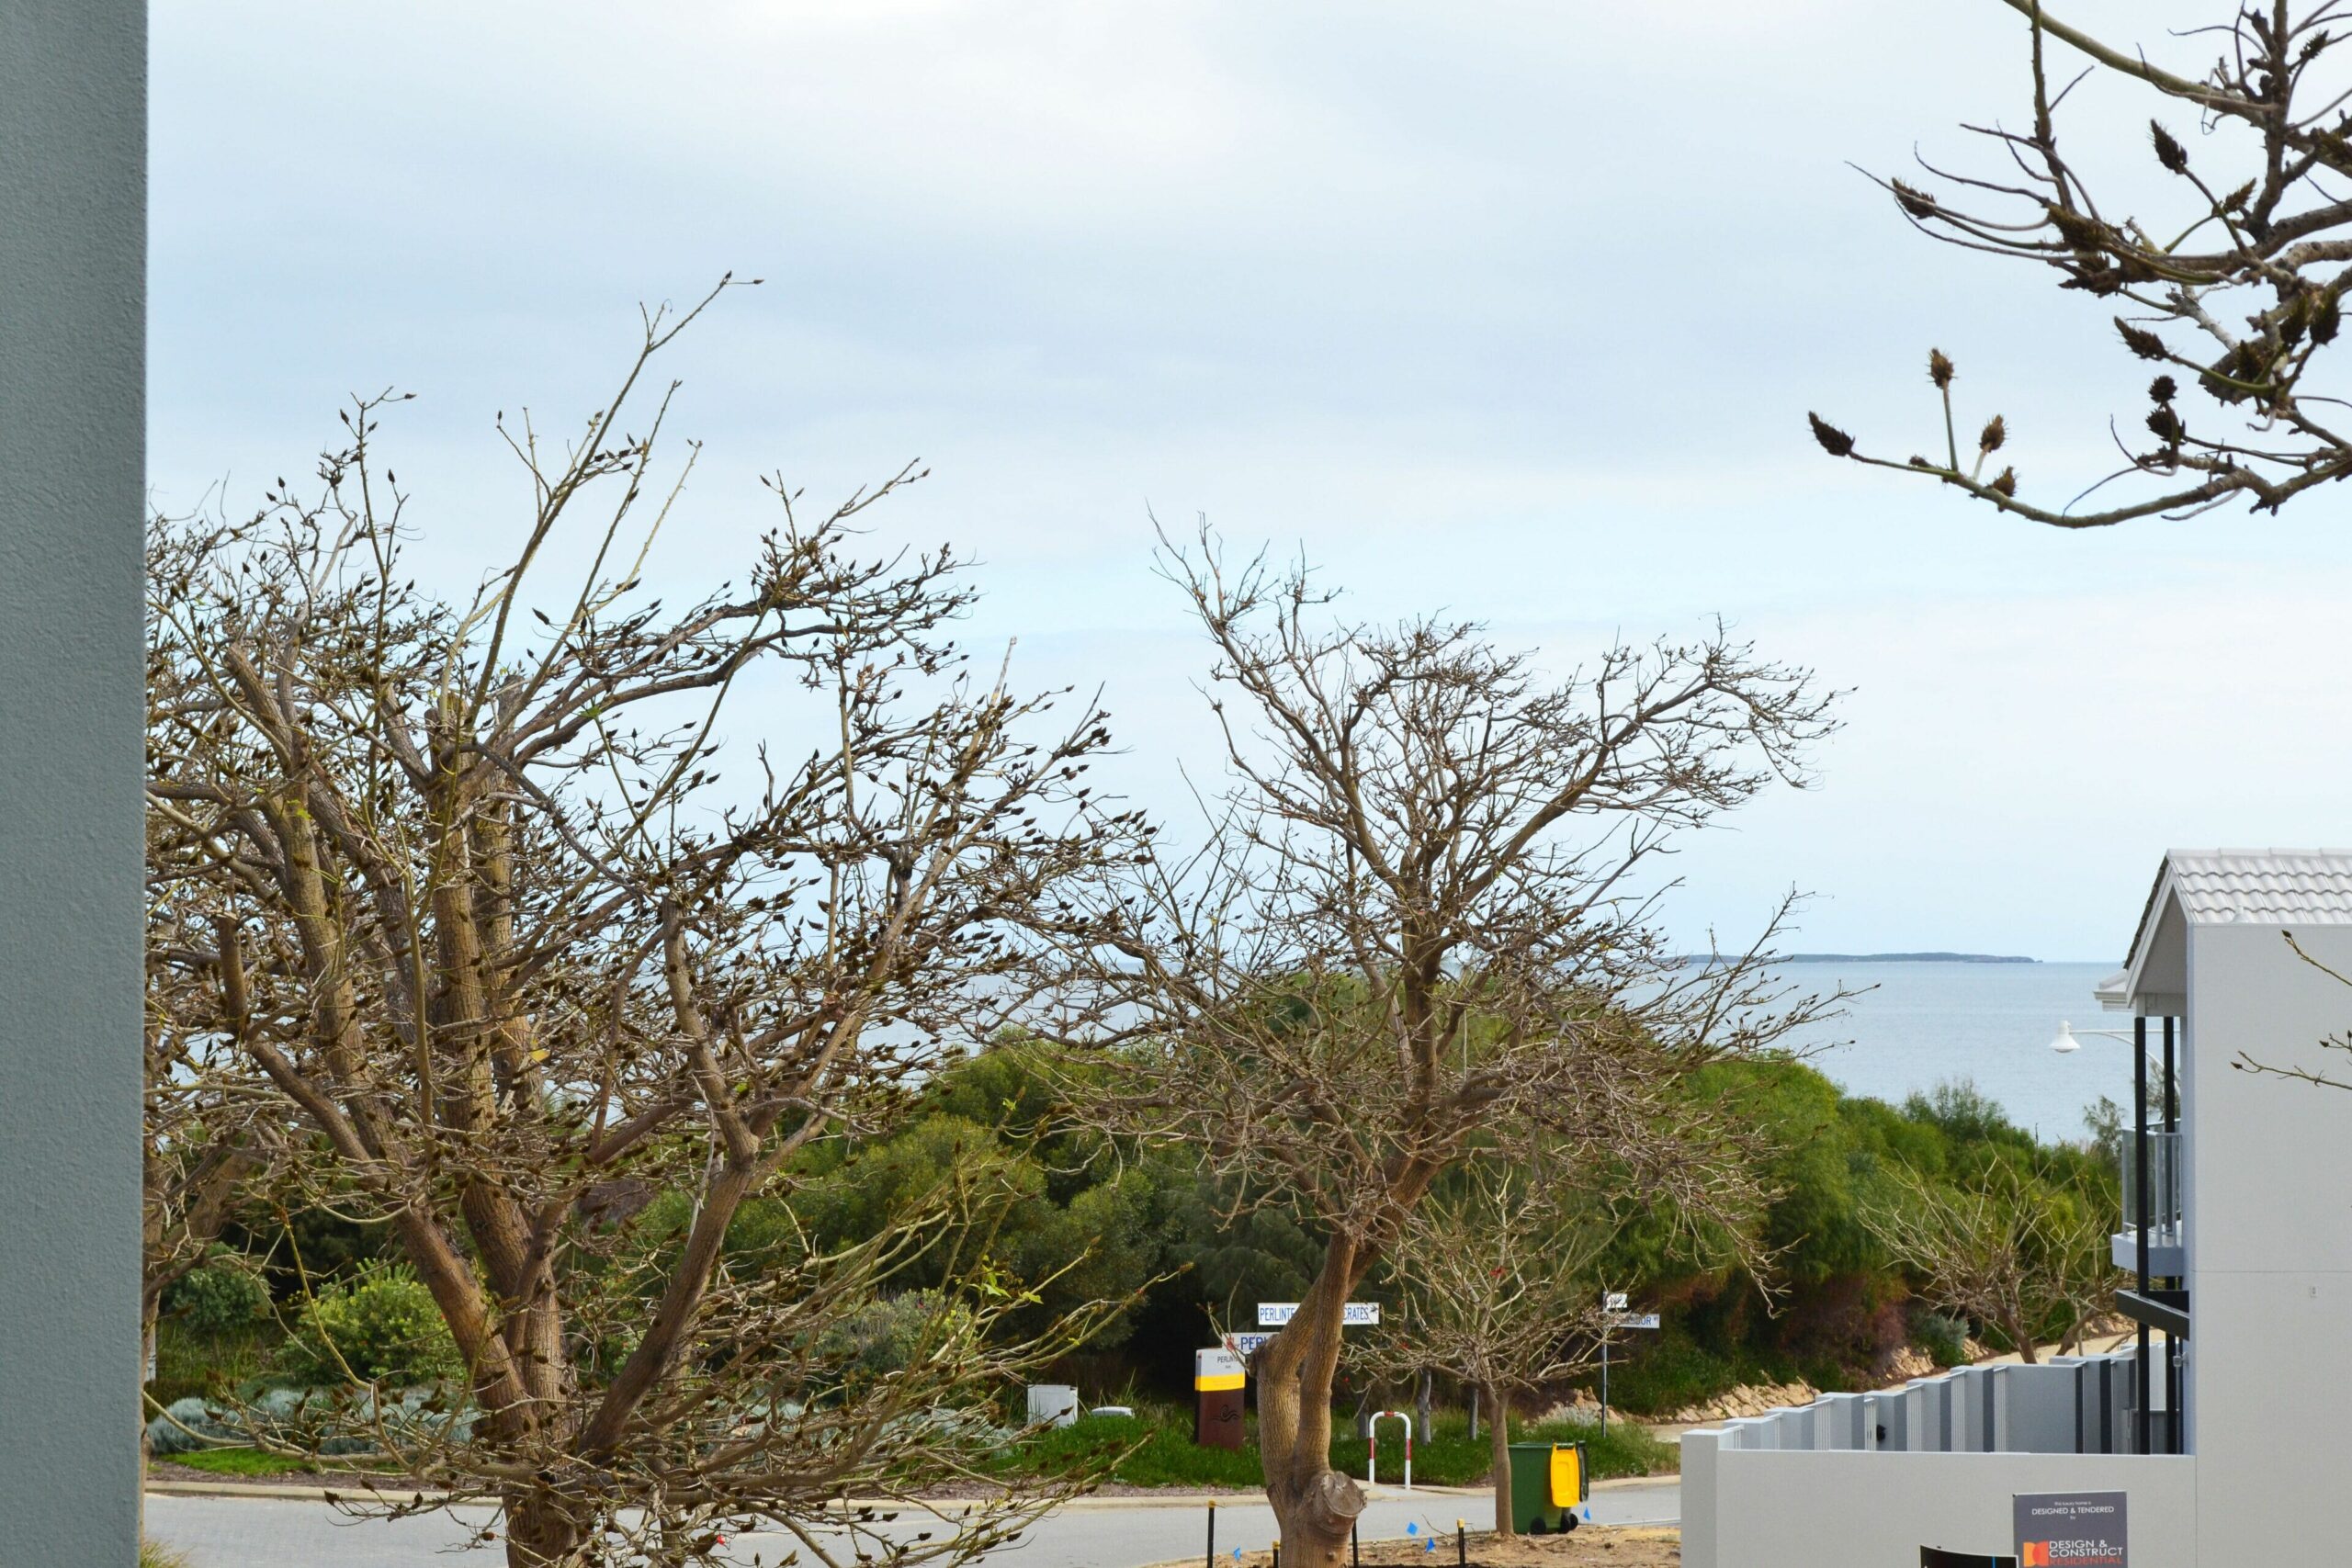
<point>2247,1279</point>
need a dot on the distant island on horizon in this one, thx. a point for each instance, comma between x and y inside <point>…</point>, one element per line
<point>1904,958</point>
<point>1883,958</point>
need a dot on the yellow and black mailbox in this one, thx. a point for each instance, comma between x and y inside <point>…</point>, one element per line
<point>1218,1383</point>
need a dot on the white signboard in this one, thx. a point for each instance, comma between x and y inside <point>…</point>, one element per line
<point>1355,1314</point>
<point>1634,1320</point>
<point>2071,1529</point>
<point>1612,1300</point>
<point>1225,1363</point>
<point>1246,1345</point>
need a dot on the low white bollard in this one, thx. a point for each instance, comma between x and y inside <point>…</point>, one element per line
<point>1372,1445</point>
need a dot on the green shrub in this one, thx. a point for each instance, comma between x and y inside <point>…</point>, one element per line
<point>221,1297</point>
<point>274,1423</point>
<point>189,1425</point>
<point>187,1362</point>
<point>1943,1338</point>
<point>1676,1373</point>
<point>153,1556</point>
<point>381,1327</point>
<point>885,1336</point>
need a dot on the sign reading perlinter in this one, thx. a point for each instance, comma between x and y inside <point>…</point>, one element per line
<point>2071,1530</point>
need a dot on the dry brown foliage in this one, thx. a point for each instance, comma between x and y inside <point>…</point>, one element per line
<point>1422,918</point>
<point>1994,1250</point>
<point>462,885</point>
<point>1495,1285</point>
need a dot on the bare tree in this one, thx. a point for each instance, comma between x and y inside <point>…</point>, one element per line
<point>487,921</point>
<point>2231,288</point>
<point>216,1135</point>
<point>1998,1251</point>
<point>1495,1284</point>
<point>2340,1041</point>
<point>1421,917</point>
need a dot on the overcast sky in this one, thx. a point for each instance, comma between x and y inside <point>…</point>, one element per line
<point>1509,311</point>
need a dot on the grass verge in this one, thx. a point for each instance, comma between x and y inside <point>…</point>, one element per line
<point>1155,1448</point>
<point>240,1461</point>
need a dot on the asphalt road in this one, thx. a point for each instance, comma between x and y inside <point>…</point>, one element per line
<point>247,1532</point>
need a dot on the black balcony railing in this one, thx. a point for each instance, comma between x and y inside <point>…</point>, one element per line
<point>2165,1205</point>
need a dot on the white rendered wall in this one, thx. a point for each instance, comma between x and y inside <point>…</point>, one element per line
<point>1875,1510</point>
<point>2269,1246</point>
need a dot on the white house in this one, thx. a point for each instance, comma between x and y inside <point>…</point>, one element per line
<point>2237,1453</point>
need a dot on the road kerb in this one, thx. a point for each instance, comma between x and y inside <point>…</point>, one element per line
<point>266,1492</point>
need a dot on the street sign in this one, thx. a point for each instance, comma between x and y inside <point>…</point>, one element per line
<point>1632,1320</point>
<point>1612,1300</point>
<point>1355,1314</point>
<point>1246,1345</point>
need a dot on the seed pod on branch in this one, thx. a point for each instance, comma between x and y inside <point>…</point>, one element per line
<point>1995,432</point>
<point>2229,269</point>
<point>2140,341</point>
<point>1939,369</point>
<point>2083,233</point>
<point>1834,441</point>
<point>1916,202</point>
<point>2007,483</point>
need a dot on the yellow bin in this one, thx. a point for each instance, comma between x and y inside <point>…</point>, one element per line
<point>1568,1475</point>
<point>1547,1483</point>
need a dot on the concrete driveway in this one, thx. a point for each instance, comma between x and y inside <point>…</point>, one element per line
<point>268,1532</point>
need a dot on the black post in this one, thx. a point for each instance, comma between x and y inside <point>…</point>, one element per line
<point>1460,1544</point>
<point>1212,1556</point>
<point>1355,1548</point>
<point>1604,1378</point>
<point>2141,1204</point>
<point>2176,1434</point>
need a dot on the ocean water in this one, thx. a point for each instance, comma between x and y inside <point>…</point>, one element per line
<point>1917,1025</point>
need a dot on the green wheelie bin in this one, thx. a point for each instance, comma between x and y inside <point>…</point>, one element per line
<point>1548,1483</point>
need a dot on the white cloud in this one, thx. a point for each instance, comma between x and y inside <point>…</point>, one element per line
<point>1511,308</point>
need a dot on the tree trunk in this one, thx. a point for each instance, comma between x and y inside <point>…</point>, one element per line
<point>1499,1445</point>
<point>1473,1412</point>
<point>1315,1506</point>
<point>2024,1338</point>
<point>1421,1407</point>
<point>540,1532</point>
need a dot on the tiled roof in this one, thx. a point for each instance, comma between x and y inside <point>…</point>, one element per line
<point>2279,888</point>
